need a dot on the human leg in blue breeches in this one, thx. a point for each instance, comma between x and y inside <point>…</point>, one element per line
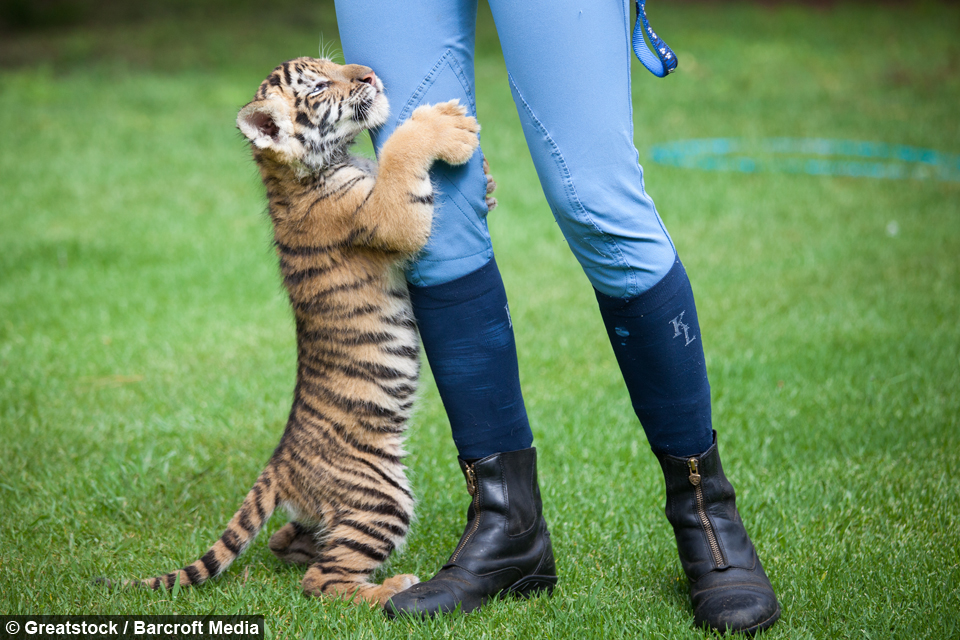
<point>575,107</point>
<point>569,71</point>
<point>423,53</point>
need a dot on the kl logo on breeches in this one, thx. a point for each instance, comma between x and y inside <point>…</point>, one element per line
<point>679,326</point>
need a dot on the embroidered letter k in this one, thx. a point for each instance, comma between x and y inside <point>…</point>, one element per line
<point>678,325</point>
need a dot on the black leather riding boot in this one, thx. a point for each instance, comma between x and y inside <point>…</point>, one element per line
<point>728,588</point>
<point>506,546</point>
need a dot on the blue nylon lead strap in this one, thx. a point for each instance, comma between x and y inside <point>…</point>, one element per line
<point>665,62</point>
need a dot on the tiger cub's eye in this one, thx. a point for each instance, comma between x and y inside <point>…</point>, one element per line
<point>317,90</point>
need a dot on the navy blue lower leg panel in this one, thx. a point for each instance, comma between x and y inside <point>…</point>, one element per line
<point>467,334</point>
<point>656,338</point>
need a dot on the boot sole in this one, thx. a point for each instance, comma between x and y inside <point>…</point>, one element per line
<point>763,626</point>
<point>527,587</point>
<point>531,586</point>
<point>749,631</point>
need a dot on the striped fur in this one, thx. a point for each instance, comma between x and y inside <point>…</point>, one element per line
<point>342,228</point>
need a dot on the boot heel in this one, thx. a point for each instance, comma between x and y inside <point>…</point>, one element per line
<point>533,586</point>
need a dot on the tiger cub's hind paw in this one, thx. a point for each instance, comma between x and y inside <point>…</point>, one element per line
<point>294,543</point>
<point>396,584</point>
<point>318,583</point>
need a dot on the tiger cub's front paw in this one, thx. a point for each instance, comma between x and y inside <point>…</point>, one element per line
<point>454,136</point>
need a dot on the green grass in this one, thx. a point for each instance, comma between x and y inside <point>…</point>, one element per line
<point>147,352</point>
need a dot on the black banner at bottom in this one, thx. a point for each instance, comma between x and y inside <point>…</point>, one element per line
<point>132,627</point>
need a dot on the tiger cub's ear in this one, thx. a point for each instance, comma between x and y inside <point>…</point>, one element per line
<point>267,125</point>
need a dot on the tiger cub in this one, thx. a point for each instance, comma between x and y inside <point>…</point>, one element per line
<point>342,228</point>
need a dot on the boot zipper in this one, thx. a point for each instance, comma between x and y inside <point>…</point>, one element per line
<point>472,489</point>
<point>702,512</point>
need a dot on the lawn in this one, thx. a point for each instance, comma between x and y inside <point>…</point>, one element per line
<point>147,350</point>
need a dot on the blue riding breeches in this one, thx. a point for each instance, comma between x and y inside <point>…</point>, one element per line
<point>569,71</point>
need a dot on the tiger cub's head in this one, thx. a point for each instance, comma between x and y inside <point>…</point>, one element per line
<point>309,110</point>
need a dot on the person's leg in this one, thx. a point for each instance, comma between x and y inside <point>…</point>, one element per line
<point>423,52</point>
<point>656,338</point>
<point>569,67</point>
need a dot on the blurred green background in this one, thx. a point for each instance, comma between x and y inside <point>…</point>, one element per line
<point>147,351</point>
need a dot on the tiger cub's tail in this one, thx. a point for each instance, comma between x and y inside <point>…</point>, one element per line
<point>257,507</point>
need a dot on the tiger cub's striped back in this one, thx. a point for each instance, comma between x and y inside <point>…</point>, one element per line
<point>342,227</point>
